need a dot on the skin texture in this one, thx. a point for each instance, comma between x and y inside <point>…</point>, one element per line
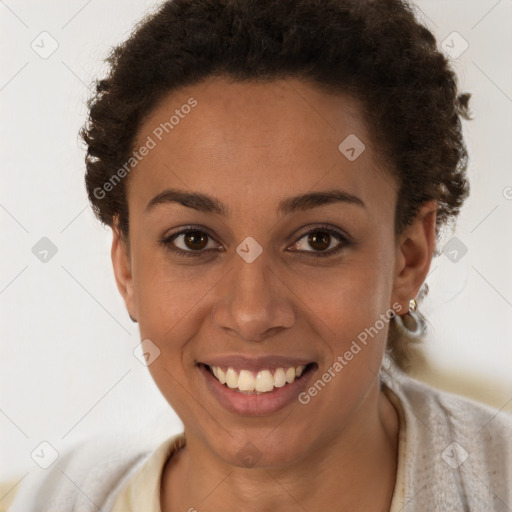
<point>252,145</point>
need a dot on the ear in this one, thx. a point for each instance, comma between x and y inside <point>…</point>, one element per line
<point>414,251</point>
<point>121,262</point>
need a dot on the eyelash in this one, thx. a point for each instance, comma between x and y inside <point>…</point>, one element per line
<point>344,242</point>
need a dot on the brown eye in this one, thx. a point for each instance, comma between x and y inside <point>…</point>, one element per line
<point>190,242</point>
<point>319,240</point>
<point>196,240</point>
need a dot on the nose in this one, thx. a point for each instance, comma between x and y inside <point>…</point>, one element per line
<point>253,302</point>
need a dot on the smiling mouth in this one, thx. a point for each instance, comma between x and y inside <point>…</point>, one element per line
<point>258,382</point>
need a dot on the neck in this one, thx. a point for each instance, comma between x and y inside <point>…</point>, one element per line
<point>355,471</point>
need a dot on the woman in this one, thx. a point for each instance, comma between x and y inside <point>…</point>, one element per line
<point>276,175</point>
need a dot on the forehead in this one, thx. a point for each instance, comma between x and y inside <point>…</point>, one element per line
<point>256,141</point>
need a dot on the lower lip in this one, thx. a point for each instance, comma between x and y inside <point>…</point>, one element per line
<point>256,405</point>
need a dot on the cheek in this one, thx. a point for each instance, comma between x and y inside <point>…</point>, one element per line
<point>345,298</point>
<point>350,308</point>
<point>349,296</point>
<point>174,298</point>
<point>172,303</point>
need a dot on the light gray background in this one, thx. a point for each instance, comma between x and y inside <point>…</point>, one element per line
<point>67,369</point>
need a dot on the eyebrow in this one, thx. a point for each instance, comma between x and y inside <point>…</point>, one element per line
<point>209,204</point>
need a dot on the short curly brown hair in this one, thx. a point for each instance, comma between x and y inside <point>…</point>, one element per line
<point>374,50</point>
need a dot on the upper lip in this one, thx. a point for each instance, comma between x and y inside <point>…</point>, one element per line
<point>268,362</point>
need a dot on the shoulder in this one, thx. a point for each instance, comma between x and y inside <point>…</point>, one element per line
<point>461,414</point>
<point>8,492</point>
<point>458,451</point>
<point>85,477</point>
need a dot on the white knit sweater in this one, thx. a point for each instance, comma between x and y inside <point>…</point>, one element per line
<point>458,457</point>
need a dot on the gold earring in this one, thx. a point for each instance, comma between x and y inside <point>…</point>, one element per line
<point>411,323</point>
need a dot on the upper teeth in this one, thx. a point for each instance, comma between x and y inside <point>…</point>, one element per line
<point>262,381</point>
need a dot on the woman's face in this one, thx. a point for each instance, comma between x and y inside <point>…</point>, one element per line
<point>261,277</point>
